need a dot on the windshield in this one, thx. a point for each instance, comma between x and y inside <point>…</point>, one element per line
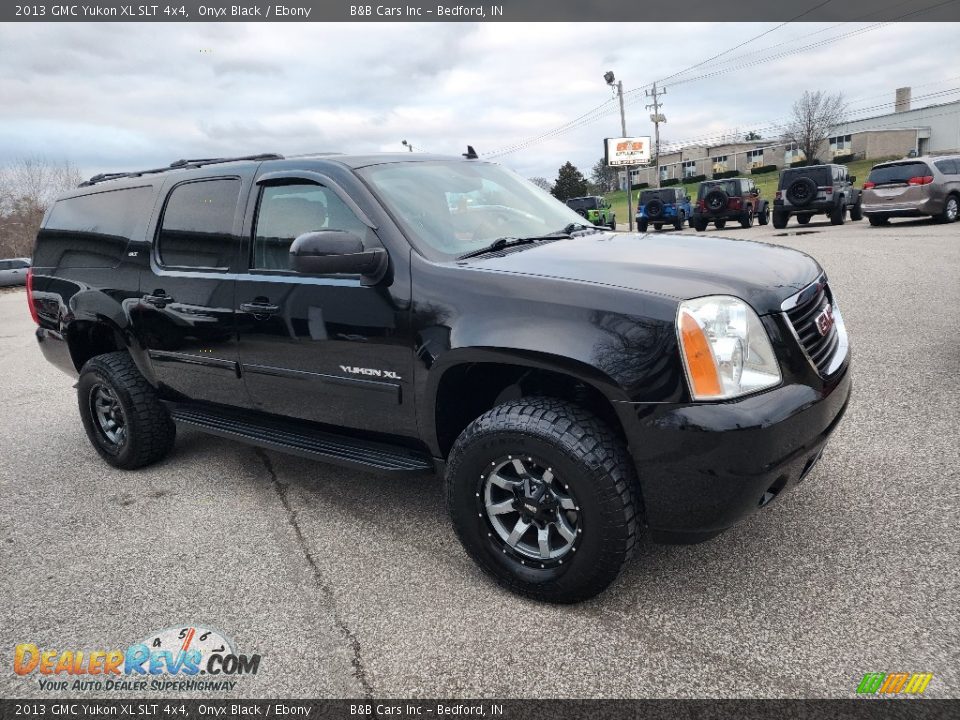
<point>450,208</point>
<point>584,203</point>
<point>899,173</point>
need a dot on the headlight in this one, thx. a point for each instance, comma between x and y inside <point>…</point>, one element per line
<point>726,352</point>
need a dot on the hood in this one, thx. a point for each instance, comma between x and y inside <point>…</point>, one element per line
<point>678,266</point>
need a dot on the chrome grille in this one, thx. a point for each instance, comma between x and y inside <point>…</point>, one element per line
<point>803,310</point>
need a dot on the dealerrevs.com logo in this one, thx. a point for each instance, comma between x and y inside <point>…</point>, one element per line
<point>176,659</point>
<point>879,683</point>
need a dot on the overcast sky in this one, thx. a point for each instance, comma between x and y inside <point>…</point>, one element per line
<point>113,97</point>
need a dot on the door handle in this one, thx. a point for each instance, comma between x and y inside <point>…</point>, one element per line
<point>160,299</point>
<point>259,309</point>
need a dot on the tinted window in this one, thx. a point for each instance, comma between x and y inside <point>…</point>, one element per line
<point>5,265</point>
<point>587,203</point>
<point>899,173</point>
<point>728,186</point>
<point>93,230</point>
<point>821,175</point>
<point>197,228</point>
<point>287,211</point>
<point>948,167</point>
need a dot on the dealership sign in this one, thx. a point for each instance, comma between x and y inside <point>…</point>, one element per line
<point>627,151</point>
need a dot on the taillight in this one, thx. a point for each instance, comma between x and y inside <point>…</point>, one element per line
<point>30,303</point>
<point>779,195</point>
<point>700,205</point>
<point>829,189</point>
<point>867,185</point>
<point>920,180</point>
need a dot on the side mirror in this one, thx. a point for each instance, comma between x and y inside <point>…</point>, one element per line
<point>324,252</point>
<point>852,178</point>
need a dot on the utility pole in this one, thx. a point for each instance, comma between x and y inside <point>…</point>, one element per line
<point>618,87</point>
<point>656,118</point>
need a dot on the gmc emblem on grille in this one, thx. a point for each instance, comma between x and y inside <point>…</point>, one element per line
<point>825,320</point>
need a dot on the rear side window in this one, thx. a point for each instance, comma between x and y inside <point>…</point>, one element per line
<point>93,230</point>
<point>197,226</point>
<point>948,167</point>
<point>287,211</point>
<point>899,173</point>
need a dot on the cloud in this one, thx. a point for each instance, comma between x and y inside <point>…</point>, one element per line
<point>121,96</point>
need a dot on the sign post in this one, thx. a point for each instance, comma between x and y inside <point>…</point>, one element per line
<point>625,152</point>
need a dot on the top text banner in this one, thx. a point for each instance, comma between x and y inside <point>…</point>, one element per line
<point>645,11</point>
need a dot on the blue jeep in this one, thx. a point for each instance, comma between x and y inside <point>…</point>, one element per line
<point>665,206</point>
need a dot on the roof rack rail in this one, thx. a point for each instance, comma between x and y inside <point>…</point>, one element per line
<point>177,165</point>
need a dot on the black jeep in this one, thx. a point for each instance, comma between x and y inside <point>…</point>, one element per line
<point>418,314</point>
<point>816,190</point>
<point>735,199</point>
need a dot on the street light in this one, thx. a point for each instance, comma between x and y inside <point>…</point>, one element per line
<point>617,86</point>
<point>407,145</point>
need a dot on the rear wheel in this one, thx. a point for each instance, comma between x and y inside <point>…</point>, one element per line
<point>780,219</point>
<point>878,220</point>
<point>764,215</point>
<point>543,497</point>
<point>699,225</point>
<point>613,222</point>
<point>950,211</point>
<point>642,225</point>
<point>124,420</point>
<point>747,220</point>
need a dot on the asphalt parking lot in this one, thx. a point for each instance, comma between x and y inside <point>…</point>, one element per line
<point>351,584</point>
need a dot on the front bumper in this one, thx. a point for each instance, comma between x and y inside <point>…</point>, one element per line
<point>703,467</point>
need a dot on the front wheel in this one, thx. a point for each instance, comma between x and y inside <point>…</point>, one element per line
<point>747,220</point>
<point>543,497</point>
<point>613,223</point>
<point>950,211</point>
<point>126,423</point>
<point>681,218</point>
<point>764,217</point>
<point>838,215</point>
<point>699,225</point>
<point>856,212</point>
<point>720,224</point>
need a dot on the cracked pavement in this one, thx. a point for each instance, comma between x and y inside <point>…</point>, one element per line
<point>352,584</point>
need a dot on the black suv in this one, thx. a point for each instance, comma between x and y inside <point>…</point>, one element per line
<point>736,199</point>
<point>595,209</point>
<point>418,314</point>
<point>816,190</point>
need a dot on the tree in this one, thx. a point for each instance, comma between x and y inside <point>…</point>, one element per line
<point>814,115</point>
<point>28,186</point>
<point>752,135</point>
<point>570,182</point>
<point>542,183</point>
<point>603,176</point>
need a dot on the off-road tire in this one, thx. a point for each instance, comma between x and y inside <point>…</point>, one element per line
<point>658,226</point>
<point>780,219</point>
<point>588,457</point>
<point>804,219</point>
<point>149,430</point>
<point>878,220</point>
<point>720,224</point>
<point>856,212</point>
<point>764,216</point>
<point>681,219</point>
<point>801,192</point>
<point>641,226</point>
<point>838,215</point>
<point>747,220</point>
<point>613,222</point>
<point>699,225</point>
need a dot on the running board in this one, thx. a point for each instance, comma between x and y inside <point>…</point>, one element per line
<point>309,443</point>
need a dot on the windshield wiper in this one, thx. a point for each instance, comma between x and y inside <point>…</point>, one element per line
<point>505,242</point>
<point>579,227</point>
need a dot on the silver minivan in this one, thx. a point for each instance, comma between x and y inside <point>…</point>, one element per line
<point>14,271</point>
<point>915,187</point>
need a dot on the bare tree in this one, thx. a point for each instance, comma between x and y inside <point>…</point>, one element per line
<point>542,183</point>
<point>28,186</point>
<point>813,116</point>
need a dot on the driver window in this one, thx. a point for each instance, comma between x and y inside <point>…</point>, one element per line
<point>286,211</point>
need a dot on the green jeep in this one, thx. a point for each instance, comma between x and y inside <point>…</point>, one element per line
<point>595,209</point>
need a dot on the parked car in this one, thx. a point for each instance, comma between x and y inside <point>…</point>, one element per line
<point>665,206</point>
<point>816,190</point>
<point>571,384</point>
<point>595,209</point>
<point>14,271</point>
<point>736,199</point>
<point>913,188</point>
